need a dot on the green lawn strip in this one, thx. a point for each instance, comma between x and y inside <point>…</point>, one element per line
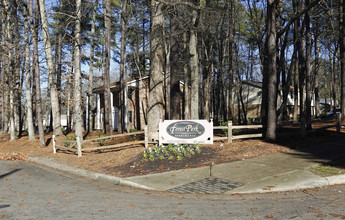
<point>334,167</point>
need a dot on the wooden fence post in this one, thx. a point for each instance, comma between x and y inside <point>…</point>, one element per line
<point>79,147</point>
<point>146,137</point>
<point>54,144</point>
<point>338,122</point>
<point>229,131</point>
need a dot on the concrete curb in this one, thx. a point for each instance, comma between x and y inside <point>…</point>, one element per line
<point>85,173</point>
<point>310,184</point>
<point>323,181</point>
<point>337,179</point>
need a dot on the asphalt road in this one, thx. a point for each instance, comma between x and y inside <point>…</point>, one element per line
<point>28,191</point>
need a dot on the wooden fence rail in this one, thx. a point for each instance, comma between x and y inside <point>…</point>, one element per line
<point>231,127</point>
<point>78,143</point>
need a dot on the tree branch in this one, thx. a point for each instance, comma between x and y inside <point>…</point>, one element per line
<point>292,20</point>
<point>189,4</point>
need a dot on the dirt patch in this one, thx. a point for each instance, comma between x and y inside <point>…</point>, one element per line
<point>126,161</point>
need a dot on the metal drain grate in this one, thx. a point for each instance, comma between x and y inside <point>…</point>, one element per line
<point>210,185</point>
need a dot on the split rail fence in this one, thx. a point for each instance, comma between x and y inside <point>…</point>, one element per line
<point>230,137</point>
<point>77,145</point>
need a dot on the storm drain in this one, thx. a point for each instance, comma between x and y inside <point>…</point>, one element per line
<point>210,185</point>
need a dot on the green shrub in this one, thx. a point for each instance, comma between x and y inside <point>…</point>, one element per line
<point>171,151</point>
<point>131,130</point>
<point>71,138</point>
<point>225,131</point>
<point>101,141</point>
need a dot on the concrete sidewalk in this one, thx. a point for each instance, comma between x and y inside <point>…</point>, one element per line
<point>276,172</point>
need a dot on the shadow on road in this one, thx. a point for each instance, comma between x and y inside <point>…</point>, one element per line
<point>9,173</point>
<point>319,145</point>
<point>4,206</point>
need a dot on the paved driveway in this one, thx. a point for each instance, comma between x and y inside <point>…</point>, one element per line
<point>28,191</point>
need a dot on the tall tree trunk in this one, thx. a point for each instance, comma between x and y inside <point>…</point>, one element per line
<point>286,87</point>
<point>332,58</point>
<point>156,99</point>
<point>4,71</point>
<point>175,67</point>
<point>207,69</point>
<point>285,78</point>
<point>186,113</point>
<point>78,112</point>
<point>123,110</point>
<point>34,20</point>
<point>70,113</point>
<point>51,71</point>
<point>220,64</point>
<point>29,119</point>
<point>16,71</point>
<point>92,52</point>
<point>308,69</point>
<point>58,52</point>
<point>317,77</point>
<point>106,74</point>
<point>167,76</point>
<point>230,61</point>
<point>317,74</point>
<point>270,74</point>
<point>296,75</point>
<point>194,65</point>
<point>10,69</point>
<point>302,72</point>
<point>342,56</point>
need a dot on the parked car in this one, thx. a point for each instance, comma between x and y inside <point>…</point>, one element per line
<point>337,111</point>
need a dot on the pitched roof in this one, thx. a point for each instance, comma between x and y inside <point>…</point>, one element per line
<point>117,83</point>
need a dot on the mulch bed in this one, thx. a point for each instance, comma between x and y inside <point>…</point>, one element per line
<point>136,167</point>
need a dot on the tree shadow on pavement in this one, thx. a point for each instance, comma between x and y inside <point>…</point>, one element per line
<point>9,173</point>
<point>320,145</point>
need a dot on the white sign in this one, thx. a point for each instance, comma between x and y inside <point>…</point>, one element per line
<point>186,132</point>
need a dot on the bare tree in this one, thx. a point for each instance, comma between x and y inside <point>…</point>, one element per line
<point>194,66</point>
<point>342,55</point>
<point>186,71</point>
<point>4,70</point>
<point>34,20</point>
<point>122,66</point>
<point>270,74</point>
<point>230,61</point>
<point>29,117</point>
<point>78,112</point>
<point>10,69</point>
<point>58,51</point>
<point>106,73</point>
<point>17,78</point>
<point>317,72</point>
<point>308,68</point>
<point>156,98</point>
<point>295,63</point>
<point>92,48</point>
<point>51,71</point>
<point>175,64</point>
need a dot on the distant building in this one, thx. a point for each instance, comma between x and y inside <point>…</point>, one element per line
<point>251,95</point>
<point>136,103</point>
<point>136,92</point>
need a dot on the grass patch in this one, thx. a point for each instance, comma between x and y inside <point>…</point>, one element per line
<point>334,167</point>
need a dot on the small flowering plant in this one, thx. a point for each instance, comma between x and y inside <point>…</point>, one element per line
<point>170,152</point>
